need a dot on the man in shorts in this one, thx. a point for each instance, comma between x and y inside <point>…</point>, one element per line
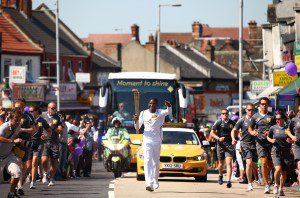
<point>221,131</point>
<point>247,143</point>
<point>51,146</point>
<point>259,127</point>
<point>9,132</point>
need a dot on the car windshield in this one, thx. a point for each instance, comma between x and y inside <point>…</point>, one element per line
<point>177,137</point>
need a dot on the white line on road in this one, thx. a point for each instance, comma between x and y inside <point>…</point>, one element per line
<point>111,194</point>
<point>111,186</point>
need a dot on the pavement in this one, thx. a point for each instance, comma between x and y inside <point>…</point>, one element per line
<point>185,187</point>
<point>95,186</point>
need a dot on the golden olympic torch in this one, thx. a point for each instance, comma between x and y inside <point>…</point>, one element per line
<point>136,96</point>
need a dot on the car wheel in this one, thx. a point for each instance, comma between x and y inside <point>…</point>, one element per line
<point>140,177</point>
<point>201,178</point>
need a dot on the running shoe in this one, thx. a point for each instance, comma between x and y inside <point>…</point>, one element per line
<point>13,195</point>
<point>275,189</point>
<point>156,185</point>
<point>228,185</point>
<point>45,179</point>
<point>250,188</point>
<point>281,193</point>
<point>220,181</point>
<point>267,189</point>
<point>20,191</point>
<point>149,188</point>
<point>32,186</point>
<point>51,183</point>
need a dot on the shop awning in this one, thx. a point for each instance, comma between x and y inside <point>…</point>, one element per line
<point>269,91</point>
<point>290,89</point>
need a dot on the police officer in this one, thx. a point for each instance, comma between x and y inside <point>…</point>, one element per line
<point>152,119</point>
<point>247,142</point>
<point>221,131</point>
<point>259,127</point>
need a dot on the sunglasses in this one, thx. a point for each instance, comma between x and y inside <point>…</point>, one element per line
<point>264,104</point>
<point>31,111</point>
<point>53,108</point>
<point>250,109</point>
<point>278,118</point>
<point>224,113</point>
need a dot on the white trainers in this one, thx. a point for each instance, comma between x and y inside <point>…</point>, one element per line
<point>155,185</point>
<point>45,179</point>
<point>267,189</point>
<point>275,189</point>
<point>32,186</point>
<point>51,183</point>
<point>250,188</point>
<point>27,180</point>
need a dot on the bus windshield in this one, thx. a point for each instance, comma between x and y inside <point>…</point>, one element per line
<point>123,105</point>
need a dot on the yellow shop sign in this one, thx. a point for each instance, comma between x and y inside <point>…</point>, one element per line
<point>282,78</point>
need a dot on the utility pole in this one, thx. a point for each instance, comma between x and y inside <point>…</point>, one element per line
<point>57,57</point>
<point>241,60</point>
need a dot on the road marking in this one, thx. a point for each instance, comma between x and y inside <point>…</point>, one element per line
<point>111,186</point>
<point>113,181</point>
<point>111,194</point>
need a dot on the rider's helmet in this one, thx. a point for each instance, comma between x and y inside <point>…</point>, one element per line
<point>116,119</point>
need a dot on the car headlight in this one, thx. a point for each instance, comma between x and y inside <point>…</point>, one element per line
<point>141,156</point>
<point>198,157</point>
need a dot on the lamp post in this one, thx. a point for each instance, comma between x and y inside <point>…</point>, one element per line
<point>158,33</point>
<point>57,57</point>
<point>241,60</point>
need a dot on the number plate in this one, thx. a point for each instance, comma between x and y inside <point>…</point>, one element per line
<point>172,166</point>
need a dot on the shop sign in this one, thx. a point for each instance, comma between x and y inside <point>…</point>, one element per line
<point>297,48</point>
<point>258,86</point>
<point>68,91</point>
<point>282,78</point>
<point>17,74</point>
<point>30,92</point>
<point>297,62</point>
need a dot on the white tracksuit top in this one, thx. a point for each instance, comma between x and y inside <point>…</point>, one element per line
<point>153,123</point>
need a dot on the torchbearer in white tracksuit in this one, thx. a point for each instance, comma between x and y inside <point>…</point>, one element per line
<point>153,120</point>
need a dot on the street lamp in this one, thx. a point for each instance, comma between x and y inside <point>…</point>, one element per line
<point>158,32</point>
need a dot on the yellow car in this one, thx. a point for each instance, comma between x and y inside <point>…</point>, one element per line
<point>136,141</point>
<point>181,155</point>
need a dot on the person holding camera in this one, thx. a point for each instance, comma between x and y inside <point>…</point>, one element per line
<point>51,145</point>
<point>38,138</point>
<point>9,132</point>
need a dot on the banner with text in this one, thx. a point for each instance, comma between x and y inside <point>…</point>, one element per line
<point>258,86</point>
<point>281,78</point>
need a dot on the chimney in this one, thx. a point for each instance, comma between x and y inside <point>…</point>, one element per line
<point>135,32</point>
<point>150,45</point>
<point>252,32</point>
<point>197,29</point>
<point>113,50</point>
<point>209,51</point>
<point>10,3</point>
<point>25,6</point>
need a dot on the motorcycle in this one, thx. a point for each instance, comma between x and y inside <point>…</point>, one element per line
<point>116,153</point>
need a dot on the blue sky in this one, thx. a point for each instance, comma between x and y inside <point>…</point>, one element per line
<point>116,16</point>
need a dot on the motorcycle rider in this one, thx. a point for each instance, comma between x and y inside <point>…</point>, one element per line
<point>117,130</point>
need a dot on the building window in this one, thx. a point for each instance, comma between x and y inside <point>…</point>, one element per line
<point>80,66</point>
<point>7,63</point>
<point>18,62</point>
<point>70,65</point>
<point>29,76</point>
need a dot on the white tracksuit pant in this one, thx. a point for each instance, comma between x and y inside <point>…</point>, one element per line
<point>151,161</point>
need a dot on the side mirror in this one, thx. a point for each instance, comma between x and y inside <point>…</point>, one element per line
<point>183,101</point>
<point>103,97</point>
